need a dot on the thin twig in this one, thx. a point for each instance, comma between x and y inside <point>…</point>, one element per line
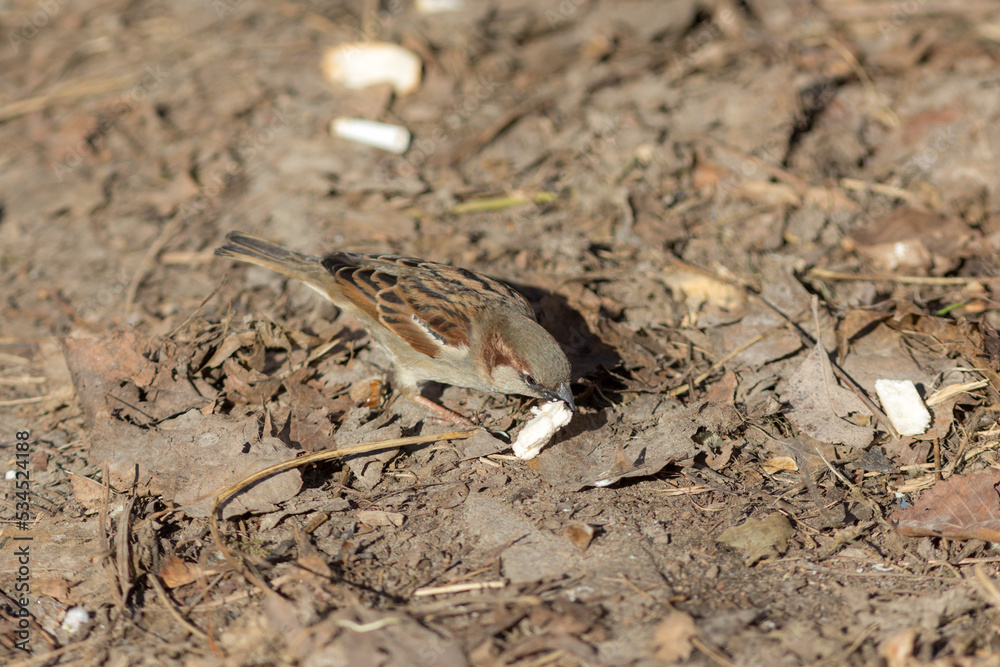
<point>25,401</point>
<point>130,406</point>
<point>70,92</point>
<point>201,305</point>
<point>783,175</point>
<point>123,557</point>
<point>826,274</point>
<point>22,380</point>
<point>711,652</point>
<point>478,141</point>
<point>457,588</point>
<point>686,387</point>
<point>329,455</point>
<point>806,339</point>
<point>162,594</point>
<point>858,185</point>
<point>945,393</point>
<point>870,11</point>
<point>987,585</point>
<point>148,261</point>
<point>889,116</point>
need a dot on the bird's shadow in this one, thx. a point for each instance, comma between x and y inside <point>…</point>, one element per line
<point>590,357</point>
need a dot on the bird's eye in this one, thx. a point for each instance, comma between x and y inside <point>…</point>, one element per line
<point>530,380</point>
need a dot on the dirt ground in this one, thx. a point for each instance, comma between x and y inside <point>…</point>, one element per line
<point>735,217</point>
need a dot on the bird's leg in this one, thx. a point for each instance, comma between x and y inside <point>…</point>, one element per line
<point>409,387</point>
<point>444,413</point>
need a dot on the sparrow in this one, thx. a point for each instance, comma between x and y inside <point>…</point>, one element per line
<point>436,322</point>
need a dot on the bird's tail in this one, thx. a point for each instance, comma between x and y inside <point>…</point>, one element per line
<point>293,264</point>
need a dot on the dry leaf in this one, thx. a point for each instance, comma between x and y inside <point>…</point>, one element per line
<point>312,565</point>
<point>87,492</point>
<point>192,457</point>
<point>228,347</point>
<point>380,518</point>
<point>759,539</point>
<point>579,533</point>
<point>594,450</point>
<point>779,463</point>
<point>962,507</point>
<point>912,240</point>
<point>707,174</point>
<point>897,651</point>
<point>54,587</point>
<point>766,192</point>
<point>820,406</point>
<point>672,639</point>
<point>176,572</point>
<point>853,325</point>
<point>700,287</point>
<point>115,374</point>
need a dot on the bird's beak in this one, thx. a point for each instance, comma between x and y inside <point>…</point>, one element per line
<point>564,394</point>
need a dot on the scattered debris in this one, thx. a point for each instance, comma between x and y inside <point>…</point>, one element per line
<point>392,138</point>
<point>671,198</point>
<point>903,406</point>
<point>76,619</point>
<point>438,6</point>
<point>363,64</point>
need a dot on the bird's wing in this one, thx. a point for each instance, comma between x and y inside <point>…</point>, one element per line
<point>430,306</point>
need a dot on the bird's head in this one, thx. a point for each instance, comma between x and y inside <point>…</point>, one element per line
<point>523,358</point>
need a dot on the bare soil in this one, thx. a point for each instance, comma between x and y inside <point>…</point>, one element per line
<point>735,216</point>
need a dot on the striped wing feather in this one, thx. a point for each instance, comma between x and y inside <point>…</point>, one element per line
<point>426,304</point>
